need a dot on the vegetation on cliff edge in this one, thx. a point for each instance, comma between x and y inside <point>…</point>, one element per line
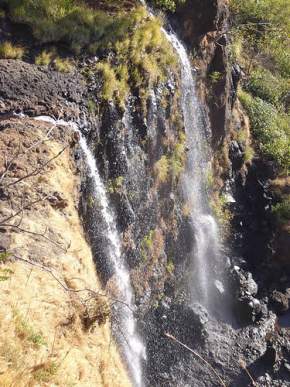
<point>260,44</point>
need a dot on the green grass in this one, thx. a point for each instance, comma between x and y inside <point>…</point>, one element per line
<point>10,51</point>
<point>142,58</point>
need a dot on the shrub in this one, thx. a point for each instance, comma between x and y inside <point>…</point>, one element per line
<point>44,58</point>
<point>69,21</point>
<point>264,27</point>
<point>249,154</point>
<point>161,169</point>
<point>116,185</point>
<point>152,245</point>
<point>270,129</point>
<point>11,51</point>
<point>263,84</point>
<point>167,4</point>
<point>221,212</point>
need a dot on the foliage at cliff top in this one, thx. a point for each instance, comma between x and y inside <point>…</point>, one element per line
<point>138,60</point>
<point>140,56</point>
<point>260,43</point>
<point>263,28</point>
<point>70,21</point>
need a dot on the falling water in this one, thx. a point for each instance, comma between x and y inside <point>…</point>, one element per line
<point>132,347</point>
<point>206,249</point>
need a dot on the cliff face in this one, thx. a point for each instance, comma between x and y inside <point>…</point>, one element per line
<point>56,244</point>
<point>54,317</point>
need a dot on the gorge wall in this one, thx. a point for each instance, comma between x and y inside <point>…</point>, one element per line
<point>140,149</point>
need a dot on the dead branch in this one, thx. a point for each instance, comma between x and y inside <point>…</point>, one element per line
<point>244,367</point>
<point>36,143</point>
<point>10,163</point>
<point>25,207</point>
<point>37,170</point>
<point>67,289</point>
<point>42,235</point>
<point>197,355</point>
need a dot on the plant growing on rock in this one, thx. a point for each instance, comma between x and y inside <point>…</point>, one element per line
<point>44,58</point>
<point>10,51</point>
<point>63,65</point>
<point>169,5</point>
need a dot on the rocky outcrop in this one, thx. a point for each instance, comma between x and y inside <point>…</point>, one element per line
<point>36,90</point>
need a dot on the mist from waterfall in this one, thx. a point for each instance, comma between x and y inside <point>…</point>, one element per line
<point>205,252</point>
<point>125,330</point>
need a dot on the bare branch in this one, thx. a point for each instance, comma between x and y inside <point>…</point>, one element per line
<point>42,235</point>
<point>67,289</point>
<point>197,355</point>
<point>4,221</point>
<point>37,170</point>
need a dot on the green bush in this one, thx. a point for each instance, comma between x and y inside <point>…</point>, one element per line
<point>270,129</point>
<point>264,28</point>
<point>167,4</point>
<point>262,83</point>
<point>161,169</point>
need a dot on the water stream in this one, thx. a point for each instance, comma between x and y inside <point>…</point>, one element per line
<point>205,253</point>
<point>126,330</point>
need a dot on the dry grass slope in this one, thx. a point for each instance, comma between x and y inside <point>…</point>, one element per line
<point>43,341</point>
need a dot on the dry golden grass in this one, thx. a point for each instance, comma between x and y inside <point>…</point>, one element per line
<point>42,339</point>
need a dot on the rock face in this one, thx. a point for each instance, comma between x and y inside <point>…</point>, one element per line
<point>35,90</point>
<point>136,148</point>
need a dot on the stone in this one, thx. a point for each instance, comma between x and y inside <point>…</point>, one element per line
<point>279,301</point>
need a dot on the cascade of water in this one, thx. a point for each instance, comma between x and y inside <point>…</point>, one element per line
<point>132,346</point>
<point>206,249</point>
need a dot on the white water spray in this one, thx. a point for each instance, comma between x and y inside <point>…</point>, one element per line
<point>206,249</point>
<point>132,346</point>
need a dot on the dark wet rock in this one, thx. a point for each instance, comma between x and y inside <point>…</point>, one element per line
<point>37,90</point>
<point>236,154</point>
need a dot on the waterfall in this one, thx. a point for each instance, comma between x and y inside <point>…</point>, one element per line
<point>206,250</point>
<point>126,330</point>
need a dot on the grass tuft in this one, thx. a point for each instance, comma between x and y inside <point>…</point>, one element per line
<point>11,51</point>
